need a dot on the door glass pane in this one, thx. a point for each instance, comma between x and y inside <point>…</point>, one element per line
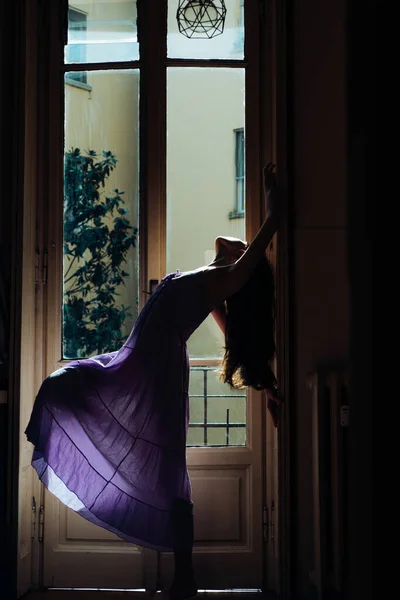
<point>205,110</point>
<point>226,45</point>
<point>101,212</point>
<point>102,31</point>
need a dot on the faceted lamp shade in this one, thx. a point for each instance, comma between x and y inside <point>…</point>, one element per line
<point>201,18</point>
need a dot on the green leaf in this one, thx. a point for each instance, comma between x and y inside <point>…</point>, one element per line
<point>92,321</point>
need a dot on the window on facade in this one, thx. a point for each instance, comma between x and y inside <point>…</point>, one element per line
<point>76,49</point>
<point>239,205</point>
<point>239,38</point>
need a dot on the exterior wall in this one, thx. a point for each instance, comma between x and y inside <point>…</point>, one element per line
<point>204,108</point>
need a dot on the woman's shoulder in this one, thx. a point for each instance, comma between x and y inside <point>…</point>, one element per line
<point>208,284</point>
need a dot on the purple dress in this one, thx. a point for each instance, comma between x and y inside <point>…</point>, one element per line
<point>109,432</point>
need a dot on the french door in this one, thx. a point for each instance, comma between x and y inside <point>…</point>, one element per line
<point>153,145</point>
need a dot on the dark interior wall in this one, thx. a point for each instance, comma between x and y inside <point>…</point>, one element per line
<point>6,154</point>
<point>321,286</point>
<point>6,143</point>
<point>361,177</point>
<point>5,105</point>
<point>11,116</point>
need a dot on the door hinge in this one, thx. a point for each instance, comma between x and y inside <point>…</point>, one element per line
<point>344,415</point>
<point>33,523</point>
<point>269,523</point>
<point>273,521</point>
<point>44,268</point>
<point>41,524</point>
<point>265,523</point>
<point>37,261</point>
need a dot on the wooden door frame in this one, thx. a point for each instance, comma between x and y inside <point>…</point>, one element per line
<point>16,135</point>
<point>278,16</point>
<point>276,92</point>
<point>24,269</point>
<point>283,77</point>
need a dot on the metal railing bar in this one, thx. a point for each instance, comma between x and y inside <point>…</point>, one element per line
<point>220,425</point>
<point>217,396</point>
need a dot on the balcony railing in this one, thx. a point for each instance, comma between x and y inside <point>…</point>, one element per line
<point>208,423</point>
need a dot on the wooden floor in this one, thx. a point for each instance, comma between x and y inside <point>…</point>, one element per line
<point>129,595</point>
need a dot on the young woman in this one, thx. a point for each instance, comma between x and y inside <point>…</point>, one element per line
<point>109,432</point>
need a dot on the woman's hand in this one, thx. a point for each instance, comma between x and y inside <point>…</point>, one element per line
<point>222,283</point>
<point>270,189</point>
<point>269,177</point>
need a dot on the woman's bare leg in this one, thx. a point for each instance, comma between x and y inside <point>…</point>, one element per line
<point>184,584</point>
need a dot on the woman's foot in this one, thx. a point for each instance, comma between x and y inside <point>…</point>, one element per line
<point>182,589</point>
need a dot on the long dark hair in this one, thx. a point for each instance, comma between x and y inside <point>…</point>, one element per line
<point>250,332</point>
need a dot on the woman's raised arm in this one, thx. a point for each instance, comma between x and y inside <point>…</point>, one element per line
<point>222,282</point>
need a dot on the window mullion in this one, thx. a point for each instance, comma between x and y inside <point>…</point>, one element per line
<point>152,18</point>
<point>253,135</point>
